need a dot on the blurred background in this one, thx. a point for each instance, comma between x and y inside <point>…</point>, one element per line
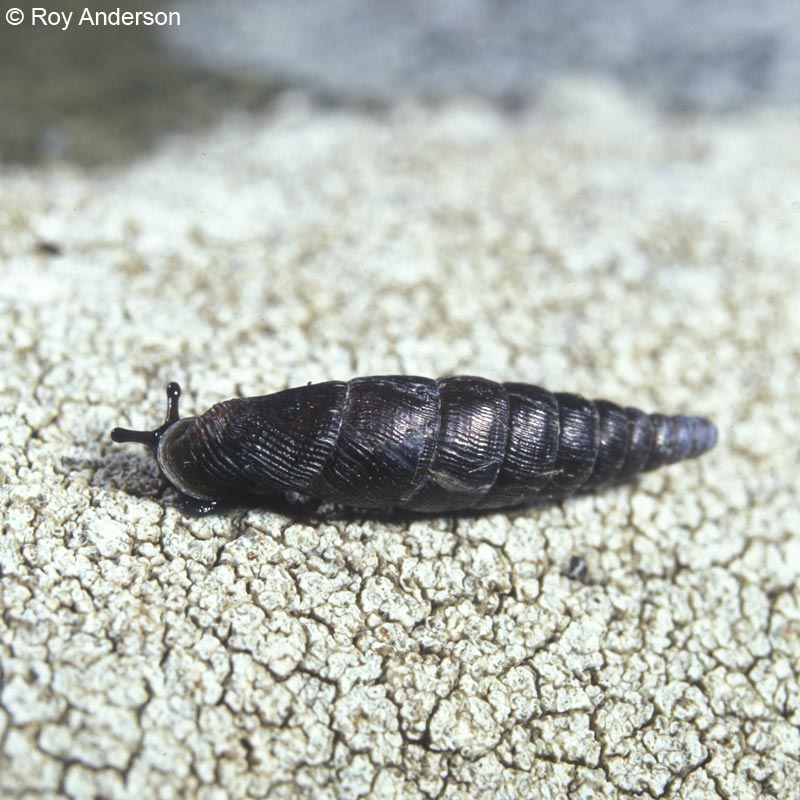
<point>98,95</point>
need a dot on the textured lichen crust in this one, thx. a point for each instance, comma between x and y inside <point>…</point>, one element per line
<point>642,642</point>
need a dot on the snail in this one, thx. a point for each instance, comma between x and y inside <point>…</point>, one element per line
<point>411,443</point>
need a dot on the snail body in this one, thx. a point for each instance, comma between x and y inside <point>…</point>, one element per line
<point>412,443</point>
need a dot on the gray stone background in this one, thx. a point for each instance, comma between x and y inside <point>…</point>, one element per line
<point>598,198</point>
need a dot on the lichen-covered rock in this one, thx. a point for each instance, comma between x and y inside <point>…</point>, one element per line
<point>641,641</point>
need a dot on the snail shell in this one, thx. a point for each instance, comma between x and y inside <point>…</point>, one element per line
<point>413,443</point>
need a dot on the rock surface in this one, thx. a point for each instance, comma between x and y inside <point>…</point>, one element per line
<point>641,642</point>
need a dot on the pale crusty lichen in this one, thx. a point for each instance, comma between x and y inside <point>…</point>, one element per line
<point>642,642</point>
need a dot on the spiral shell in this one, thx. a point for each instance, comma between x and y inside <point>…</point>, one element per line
<point>413,443</point>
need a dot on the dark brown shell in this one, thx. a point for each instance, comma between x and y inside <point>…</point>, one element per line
<point>413,443</point>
